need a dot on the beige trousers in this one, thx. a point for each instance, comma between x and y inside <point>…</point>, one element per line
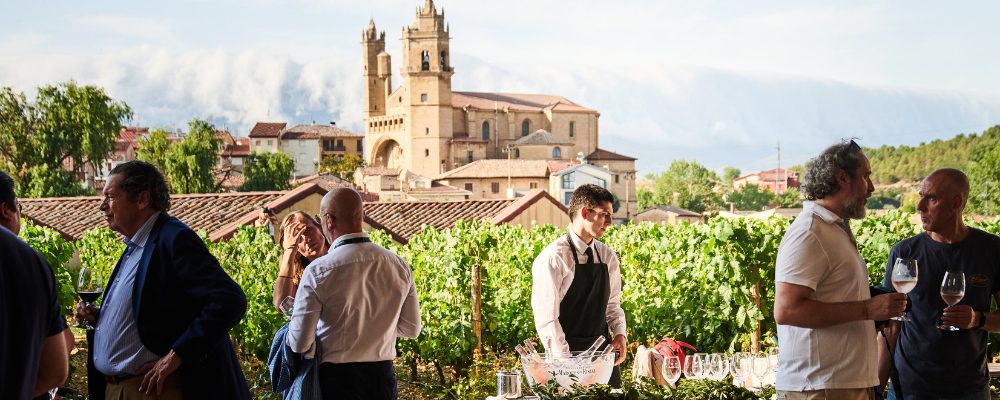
<point>129,390</point>
<point>829,394</point>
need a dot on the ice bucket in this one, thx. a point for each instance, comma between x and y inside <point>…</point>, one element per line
<point>568,369</point>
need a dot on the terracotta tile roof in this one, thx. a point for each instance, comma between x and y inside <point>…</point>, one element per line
<point>540,137</point>
<point>515,101</point>
<point>216,213</point>
<point>132,133</point>
<point>303,132</point>
<point>601,154</point>
<point>327,181</point>
<point>438,188</point>
<point>402,220</point>
<point>772,174</point>
<point>676,210</point>
<point>499,168</point>
<point>559,165</point>
<point>373,171</point>
<point>236,150</point>
<point>267,129</point>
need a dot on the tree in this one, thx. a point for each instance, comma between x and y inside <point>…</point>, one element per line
<point>645,199</point>
<point>984,182</point>
<point>66,128</point>
<point>696,187</point>
<point>729,174</point>
<point>751,197</point>
<point>267,171</point>
<point>189,163</point>
<point>153,149</point>
<point>344,167</point>
<point>790,198</point>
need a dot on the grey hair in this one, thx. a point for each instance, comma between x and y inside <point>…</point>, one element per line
<point>820,178</point>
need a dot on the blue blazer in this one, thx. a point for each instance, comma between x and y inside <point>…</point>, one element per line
<point>188,303</point>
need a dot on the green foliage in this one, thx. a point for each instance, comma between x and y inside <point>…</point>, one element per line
<point>645,199</point>
<point>343,167</point>
<point>67,125</point>
<point>984,181</point>
<point>791,198</point>
<point>251,259</point>
<point>892,164</point>
<point>876,235</point>
<point>267,171</point>
<point>729,174</point>
<point>885,198</point>
<point>752,197</point>
<point>100,249</point>
<point>153,149</point>
<point>697,187</point>
<point>57,252</point>
<point>189,163</point>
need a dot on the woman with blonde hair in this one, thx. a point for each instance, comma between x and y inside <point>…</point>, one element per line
<point>302,241</point>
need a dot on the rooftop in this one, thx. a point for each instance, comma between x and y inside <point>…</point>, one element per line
<point>499,168</point>
<point>515,102</point>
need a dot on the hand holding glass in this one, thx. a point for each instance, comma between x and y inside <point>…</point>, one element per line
<point>952,292</point>
<point>904,278</point>
<point>89,287</point>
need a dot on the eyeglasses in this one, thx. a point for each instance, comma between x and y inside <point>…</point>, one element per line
<point>600,213</point>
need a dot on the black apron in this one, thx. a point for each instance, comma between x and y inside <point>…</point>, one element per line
<point>583,311</point>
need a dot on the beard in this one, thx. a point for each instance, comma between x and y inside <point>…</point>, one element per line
<point>854,208</point>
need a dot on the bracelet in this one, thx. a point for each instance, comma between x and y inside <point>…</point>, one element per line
<point>286,277</point>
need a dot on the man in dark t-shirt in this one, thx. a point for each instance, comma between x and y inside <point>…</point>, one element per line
<point>33,333</point>
<point>931,363</point>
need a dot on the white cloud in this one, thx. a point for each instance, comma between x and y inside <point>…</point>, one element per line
<point>127,26</point>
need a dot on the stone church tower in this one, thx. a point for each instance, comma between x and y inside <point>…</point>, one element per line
<point>410,128</point>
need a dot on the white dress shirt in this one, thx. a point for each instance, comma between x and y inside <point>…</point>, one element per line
<point>551,276</point>
<point>356,300</point>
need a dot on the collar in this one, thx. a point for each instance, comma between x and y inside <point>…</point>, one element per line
<point>142,235</point>
<point>347,236</point>
<point>822,212</point>
<point>581,246</point>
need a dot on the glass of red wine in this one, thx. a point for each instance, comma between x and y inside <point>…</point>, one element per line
<point>952,292</point>
<point>89,287</point>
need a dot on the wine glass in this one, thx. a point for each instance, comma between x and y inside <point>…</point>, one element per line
<point>772,359</point>
<point>719,367</point>
<point>952,292</point>
<point>904,278</point>
<point>671,369</point>
<point>89,287</point>
<point>739,367</point>
<point>697,362</point>
<point>286,306</point>
<point>760,366</point>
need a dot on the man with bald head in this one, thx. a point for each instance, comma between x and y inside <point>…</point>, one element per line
<point>355,300</point>
<point>931,363</point>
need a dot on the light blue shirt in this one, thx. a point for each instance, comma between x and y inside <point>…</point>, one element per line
<point>117,347</point>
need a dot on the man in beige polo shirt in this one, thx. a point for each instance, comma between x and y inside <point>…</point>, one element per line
<point>822,305</point>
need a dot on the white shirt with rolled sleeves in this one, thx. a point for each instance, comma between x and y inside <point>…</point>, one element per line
<point>819,254</point>
<point>356,300</point>
<point>551,275</point>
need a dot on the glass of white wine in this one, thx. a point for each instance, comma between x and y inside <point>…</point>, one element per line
<point>952,292</point>
<point>904,278</point>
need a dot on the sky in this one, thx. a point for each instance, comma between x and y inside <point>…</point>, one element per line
<point>719,82</point>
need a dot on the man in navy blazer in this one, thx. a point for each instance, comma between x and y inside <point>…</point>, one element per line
<point>163,326</point>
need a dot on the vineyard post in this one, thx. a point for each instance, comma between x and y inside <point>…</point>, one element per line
<point>755,297</point>
<point>477,321</point>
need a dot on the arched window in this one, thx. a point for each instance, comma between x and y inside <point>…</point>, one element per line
<point>517,153</point>
<point>486,130</point>
<point>556,153</point>
<point>525,127</point>
<point>425,60</point>
<point>572,129</point>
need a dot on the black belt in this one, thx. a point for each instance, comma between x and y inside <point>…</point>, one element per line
<point>118,379</point>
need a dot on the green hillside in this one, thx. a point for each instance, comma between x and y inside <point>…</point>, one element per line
<point>891,164</point>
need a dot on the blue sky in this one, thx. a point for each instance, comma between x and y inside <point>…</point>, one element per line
<point>718,82</point>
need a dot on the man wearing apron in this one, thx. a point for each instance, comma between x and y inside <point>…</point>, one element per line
<point>576,283</point>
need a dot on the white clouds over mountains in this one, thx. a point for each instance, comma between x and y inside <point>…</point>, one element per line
<point>657,113</point>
